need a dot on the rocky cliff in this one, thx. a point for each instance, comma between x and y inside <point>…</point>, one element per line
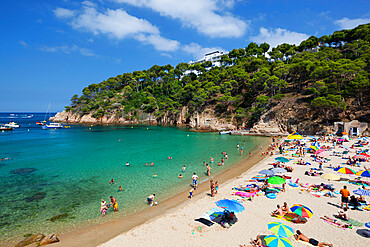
<point>205,120</point>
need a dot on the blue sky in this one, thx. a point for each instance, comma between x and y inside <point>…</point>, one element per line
<point>51,50</point>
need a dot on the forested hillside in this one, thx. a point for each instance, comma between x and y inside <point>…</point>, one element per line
<point>329,75</point>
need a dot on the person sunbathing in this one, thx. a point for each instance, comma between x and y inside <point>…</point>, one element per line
<point>299,236</point>
<point>343,214</point>
<point>285,208</point>
<point>278,211</point>
<point>337,222</point>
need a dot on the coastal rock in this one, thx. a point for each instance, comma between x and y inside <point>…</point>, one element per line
<point>22,171</point>
<point>32,239</point>
<point>58,217</point>
<point>36,197</point>
<point>49,239</point>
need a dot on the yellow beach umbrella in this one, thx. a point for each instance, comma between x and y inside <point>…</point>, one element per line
<point>330,176</point>
<point>295,136</point>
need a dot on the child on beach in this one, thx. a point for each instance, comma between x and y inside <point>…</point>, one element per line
<point>216,187</point>
<point>103,207</point>
<point>195,178</point>
<point>191,191</point>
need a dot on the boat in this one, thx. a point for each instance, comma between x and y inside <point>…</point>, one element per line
<point>3,128</point>
<point>12,125</point>
<point>52,126</point>
<point>41,123</point>
<point>227,132</point>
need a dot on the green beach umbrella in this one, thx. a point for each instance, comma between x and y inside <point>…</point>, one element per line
<point>282,159</point>
<point>276,180</point>
<point>277,241</point>
<point>280,229</point>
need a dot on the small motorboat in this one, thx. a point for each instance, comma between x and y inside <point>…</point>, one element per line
<point>52,126</point>
<point>3,128</point>
<point>225,132</point>
<point>12,125</point>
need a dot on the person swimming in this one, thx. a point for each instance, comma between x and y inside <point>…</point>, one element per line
<point>155,175</point>
<point>179,176</point>
<point>127,164</point>
<point>112,181</point>
<point>183,168</point>
<point>120,188</point>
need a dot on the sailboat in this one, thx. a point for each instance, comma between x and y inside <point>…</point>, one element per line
<point>50,125</point>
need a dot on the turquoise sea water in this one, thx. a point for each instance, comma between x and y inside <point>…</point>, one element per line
<point>66,172</point>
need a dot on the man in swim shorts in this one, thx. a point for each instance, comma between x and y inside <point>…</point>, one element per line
<point>345,194</point>
<point>195,180</point>
<point>114,204</point>
<point>312,241</point>
<point>150,199</point>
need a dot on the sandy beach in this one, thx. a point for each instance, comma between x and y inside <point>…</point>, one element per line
<point>178,228</point>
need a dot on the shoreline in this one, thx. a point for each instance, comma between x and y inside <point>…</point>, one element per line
<point>101,233</point>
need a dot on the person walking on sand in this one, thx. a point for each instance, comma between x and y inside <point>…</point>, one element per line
<point>195,179</point>
<point>250,155</point>
<point>299,236</point>
<point>208,170</point>
<point>212,186</point>
<point>114,204</point>
<point>216,187</point>
<point>345,194</point>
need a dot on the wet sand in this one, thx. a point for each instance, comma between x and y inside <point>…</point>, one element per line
<point>98,234</point>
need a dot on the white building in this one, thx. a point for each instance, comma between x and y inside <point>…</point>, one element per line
<point>214,57</point>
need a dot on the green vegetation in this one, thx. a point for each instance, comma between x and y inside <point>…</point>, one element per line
<point>332,70</point>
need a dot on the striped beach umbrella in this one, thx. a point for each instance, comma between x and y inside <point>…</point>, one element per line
<point>276,180</point>
<point>301,210</point>
<point>361,192</point>
<point>364,173</point>
<point>280,229</point>
<point>345,170</point>
<point>277,241</point>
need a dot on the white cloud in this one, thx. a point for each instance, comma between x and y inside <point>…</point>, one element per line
<point>23,43</point>
<point>346,23</point>
<point>277,36</point>
<point>120,25</point>
<point>63,13</point>
<point>203,15</point>
<point>68,49</point>
<point>198,51</point>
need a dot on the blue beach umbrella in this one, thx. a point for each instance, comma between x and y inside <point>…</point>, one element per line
<point>282,159</point>
<point>277,241</point>
<point>230,205</point>
<point>278,170</point>
<point>362,192</point>
<point>267,172</point>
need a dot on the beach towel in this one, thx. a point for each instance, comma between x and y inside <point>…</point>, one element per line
<point>350,221</point>
<point>334,224</point>
<point>205,221</point>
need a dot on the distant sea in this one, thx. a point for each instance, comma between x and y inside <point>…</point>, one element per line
<point>65,173</point>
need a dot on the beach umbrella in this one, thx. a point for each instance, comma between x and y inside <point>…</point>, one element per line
<point>230,205</point>
<point>364,154</point>
<point>361,192</point>
<point>277,241</point>
<point>280,229</point>
<point>278,170</point>
<point>282,159</point>
<point>344,170</point>
<point>295,136</point>
<point>301,210</point>
<point>267,172</point>
<point>330,176</point>
<point>276,180</point>
<point>364,173</point>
